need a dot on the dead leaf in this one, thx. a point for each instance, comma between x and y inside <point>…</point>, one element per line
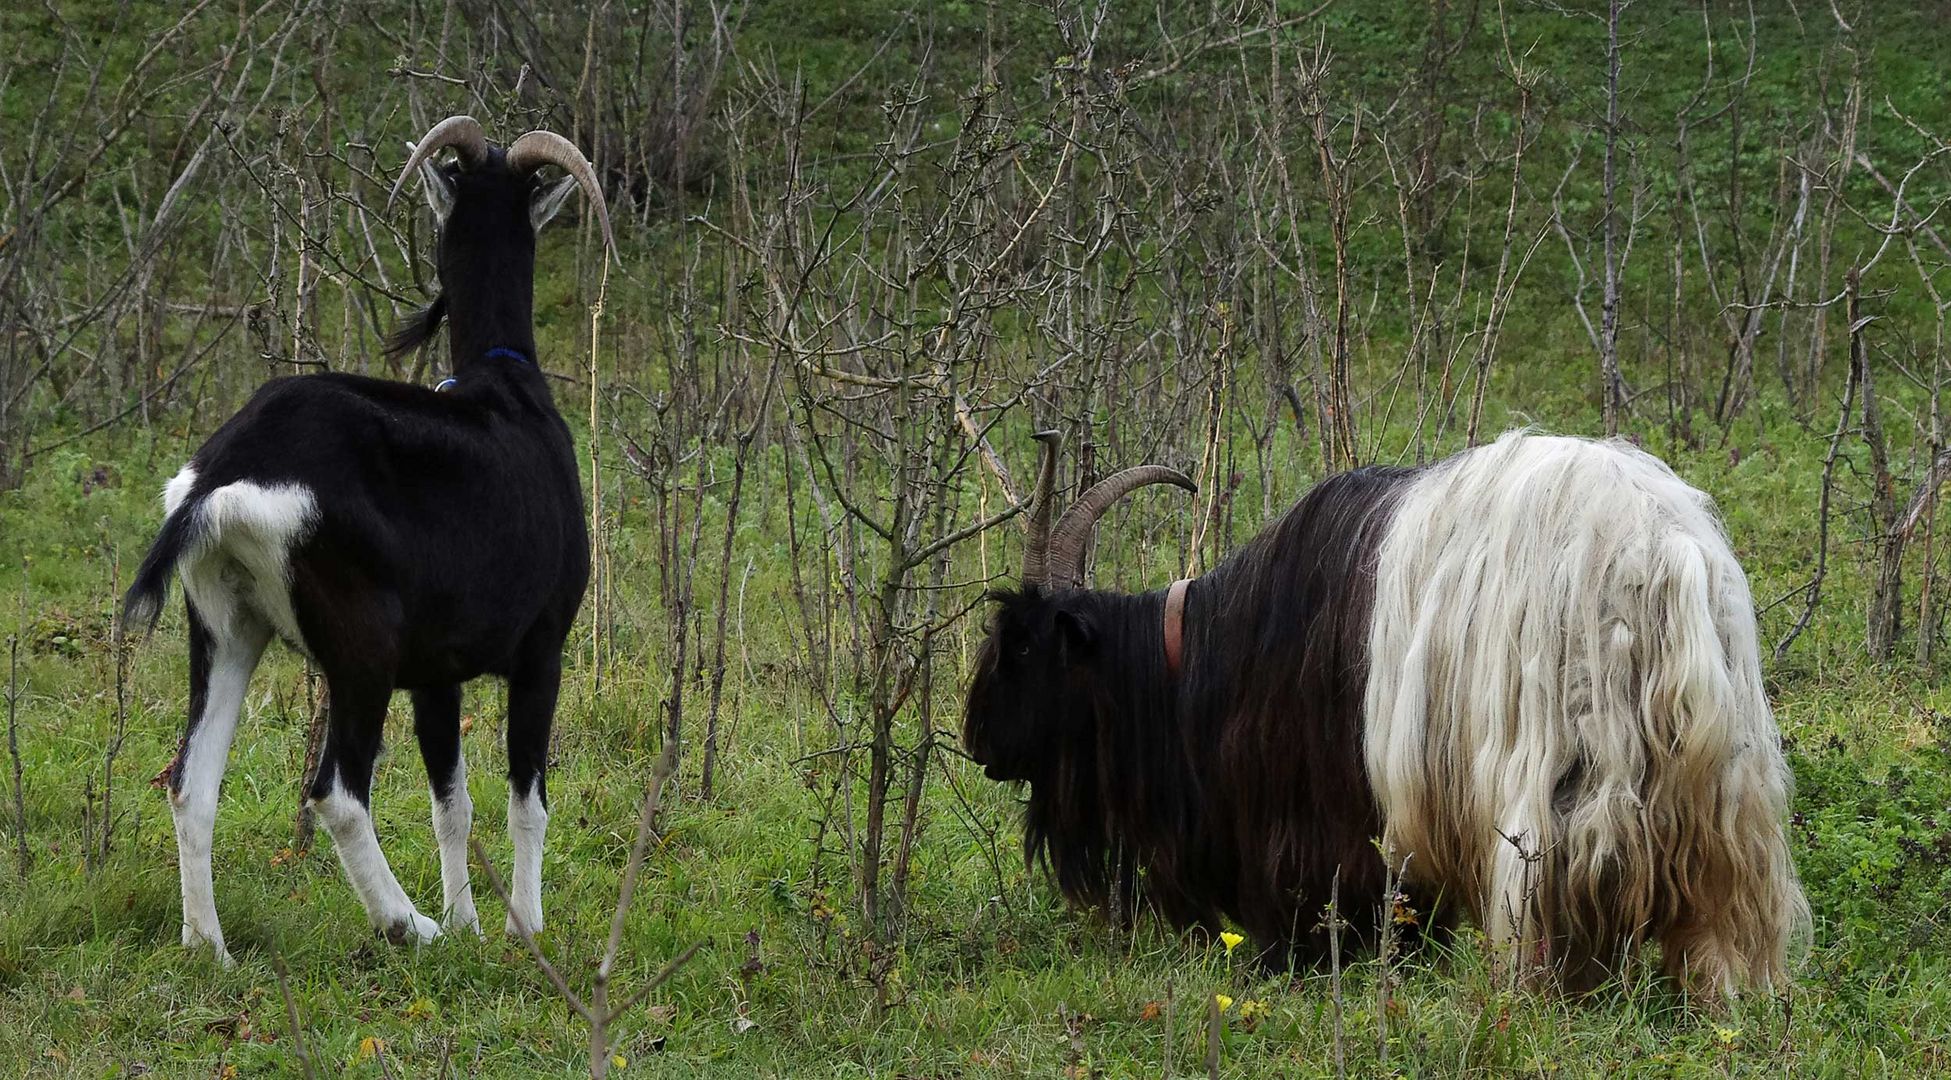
<point>1150,1012</point>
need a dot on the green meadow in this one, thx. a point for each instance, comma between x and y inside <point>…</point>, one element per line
<point>1153,229</point>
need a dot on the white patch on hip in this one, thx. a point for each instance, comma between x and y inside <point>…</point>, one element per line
<point>178,489</point>
<point>240,559</point>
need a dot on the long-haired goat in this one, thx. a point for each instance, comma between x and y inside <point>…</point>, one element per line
<point>1528,670</point>
<point>401,538</point>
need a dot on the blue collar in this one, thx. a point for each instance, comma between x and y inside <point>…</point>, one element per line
<point>450,382</point>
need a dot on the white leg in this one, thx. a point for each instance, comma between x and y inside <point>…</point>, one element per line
<point>234,647</point>
<point>387,907</point>
<point>528,823</point>
<point>453,819</point>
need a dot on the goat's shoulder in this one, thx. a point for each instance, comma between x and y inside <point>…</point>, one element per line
<point>338,405</point>
<point>339,392</point>
<point>331,419</point>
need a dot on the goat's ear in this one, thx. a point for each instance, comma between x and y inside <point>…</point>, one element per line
<point>546,201</point>
<point>1077,632</point>
<point>436,187</point>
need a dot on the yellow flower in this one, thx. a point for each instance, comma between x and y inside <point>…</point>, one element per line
<point>619,1061</point>
<point>370,1047</point>
<point>1225,1002</point>
<point>1231,940</point>
<point>1727,1035</point>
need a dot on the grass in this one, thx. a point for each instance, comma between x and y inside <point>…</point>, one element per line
<point>993,976</point>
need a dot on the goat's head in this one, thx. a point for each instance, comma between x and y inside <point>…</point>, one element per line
<point>485,193</point>
<point>1031,680</point>
<point>490,202</point>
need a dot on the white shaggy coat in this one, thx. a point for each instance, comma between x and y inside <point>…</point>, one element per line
<point>1566,726</point>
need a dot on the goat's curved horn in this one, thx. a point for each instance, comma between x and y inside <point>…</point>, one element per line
<point>538,148</point>
<point>1036,548</point>
<point>463,133</point>
<point>1066,556</point>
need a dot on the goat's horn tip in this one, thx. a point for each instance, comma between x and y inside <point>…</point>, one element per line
<point>394,194</point>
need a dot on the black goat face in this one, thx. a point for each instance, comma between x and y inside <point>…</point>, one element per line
<point>1019,703</point>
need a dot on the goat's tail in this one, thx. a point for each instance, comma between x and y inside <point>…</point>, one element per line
<point>143,604</point>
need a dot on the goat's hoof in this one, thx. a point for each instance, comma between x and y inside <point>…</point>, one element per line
<point>533,923</point>
<point>462,919</point>
<point>197,939</point>
<point>415,929</point>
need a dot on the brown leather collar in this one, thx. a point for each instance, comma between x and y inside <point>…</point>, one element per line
<point>1175,612</point>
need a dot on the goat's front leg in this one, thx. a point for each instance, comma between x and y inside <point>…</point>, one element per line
<point>222,657</point>
<point>531,709</point>
<point>341,795</point>
<point>437,726</point>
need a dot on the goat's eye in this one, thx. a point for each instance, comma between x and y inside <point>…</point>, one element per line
<point>1023,651</point>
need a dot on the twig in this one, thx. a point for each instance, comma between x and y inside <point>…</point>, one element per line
<point>21,856</point>
<point>1215,1026</point>
<point>114,748</point>
<point>596,1012</point>
<point>291,1017</point>
<point>1335,924</point>
<point>23,859</point>
<point>1813,590</point>
<point>522,931</point>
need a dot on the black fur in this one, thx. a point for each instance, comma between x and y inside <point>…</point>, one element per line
<point>449,540</point>
<point>1237,791</point>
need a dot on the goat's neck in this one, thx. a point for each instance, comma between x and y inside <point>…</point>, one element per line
<point>498,312</point>
<point>1131,650</point>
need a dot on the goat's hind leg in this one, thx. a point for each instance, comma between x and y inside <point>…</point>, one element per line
<point>531,709</point>
<point>437,725</point>
<point>341,795</point>
<point>223,653</point>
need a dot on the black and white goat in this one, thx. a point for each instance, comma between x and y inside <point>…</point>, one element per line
<point>402,539</point>
<point>1530,670</point>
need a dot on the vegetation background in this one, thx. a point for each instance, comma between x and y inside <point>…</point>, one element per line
<point>867,248</point>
